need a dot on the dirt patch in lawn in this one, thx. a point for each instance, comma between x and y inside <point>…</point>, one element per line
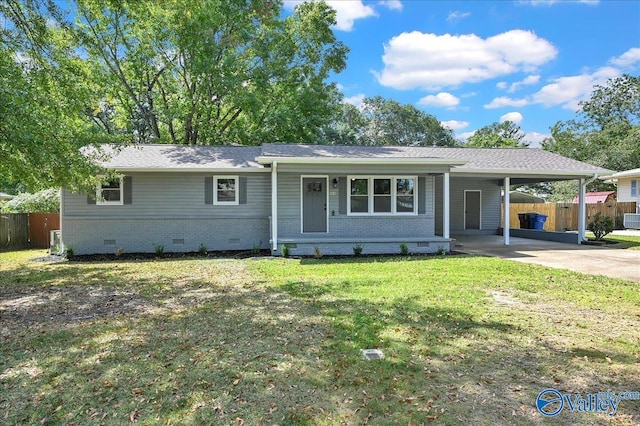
<point>37,307</point>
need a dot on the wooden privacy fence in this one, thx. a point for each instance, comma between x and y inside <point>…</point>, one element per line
<point>564,216</point>
<point>14,230</point>
<point>40,225</point>
<point>22,230</point>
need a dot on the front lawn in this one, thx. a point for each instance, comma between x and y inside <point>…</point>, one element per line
<point>467,340</point>
<point>619,241</point>
<point>625,241</point>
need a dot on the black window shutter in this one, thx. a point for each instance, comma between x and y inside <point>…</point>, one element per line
<point>127,193</point>
<point>242,187</point>
<point>208,190</point>
<point>421,196</point>
<point>342,195</point>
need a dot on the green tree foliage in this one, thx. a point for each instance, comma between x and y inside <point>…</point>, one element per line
<point>86,72</point>
<point>606,132</point>
<point>42,99</point>
<point>498,135</point>
<point>212,72</point>
<point>45,201</point>
<point>381,121</point>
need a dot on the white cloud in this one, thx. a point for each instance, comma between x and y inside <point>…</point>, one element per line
<point>465,135</point>
<point>355,100</point>
<point>456,15</point>
<point>628,58</point>
<point>502,85</point>
<point>514,117</point>
<point>347,12</point>
<point>566,91</point>
<point>430,61</point>
<point>455,125</point>
<point>504,101</point>
<point>569,91</point>
<point>535,139</point>
<point>442,99</point>
<point>392,4</point>
<point>527,81</point>
<point>552,2</point>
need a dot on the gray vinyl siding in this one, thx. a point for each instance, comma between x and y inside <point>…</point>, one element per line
<point>178,195</point>
<point>344,226</point>
<point>490,204</point>
<point>169,209</point>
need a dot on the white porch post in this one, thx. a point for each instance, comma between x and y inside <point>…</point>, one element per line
<point>582,210</point>
<point>507,184</point>
<point>445,206</point>
<point>274,206</point>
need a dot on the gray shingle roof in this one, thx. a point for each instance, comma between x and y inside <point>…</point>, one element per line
<point>181,157</point>
<point>516,159</point>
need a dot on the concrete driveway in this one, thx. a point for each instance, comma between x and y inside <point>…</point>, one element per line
<point>595,260</point>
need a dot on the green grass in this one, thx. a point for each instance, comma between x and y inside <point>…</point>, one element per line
<point>625,241</point>
<point>622,241</point>
<point>468,340</point>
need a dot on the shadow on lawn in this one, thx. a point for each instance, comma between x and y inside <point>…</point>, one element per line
<point>204,353</point>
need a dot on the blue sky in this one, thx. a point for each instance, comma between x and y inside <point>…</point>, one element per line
<point>472,63</point>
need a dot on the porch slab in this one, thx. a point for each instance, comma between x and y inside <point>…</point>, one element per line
<point>593,260</point>
<point>536,234</point>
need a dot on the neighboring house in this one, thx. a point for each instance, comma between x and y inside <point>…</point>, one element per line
<point>304,196</point>
<point>628,183</point>
<point>598,197</point>
<point>518,197</point>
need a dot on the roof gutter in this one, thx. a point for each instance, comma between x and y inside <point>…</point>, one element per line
<point>591,179</point>
<point>189,169</point>
<point>515,172</point>
<point>360,160</point>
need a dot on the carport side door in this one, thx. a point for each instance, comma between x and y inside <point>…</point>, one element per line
<point>472,209</point>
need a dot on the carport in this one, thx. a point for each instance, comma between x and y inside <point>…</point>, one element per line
<point>469,199</point>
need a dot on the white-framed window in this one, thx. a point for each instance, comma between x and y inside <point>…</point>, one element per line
<point>634,188</point>
<point>382,195</point>
<point>225,190</point>
<point>110,192</point>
